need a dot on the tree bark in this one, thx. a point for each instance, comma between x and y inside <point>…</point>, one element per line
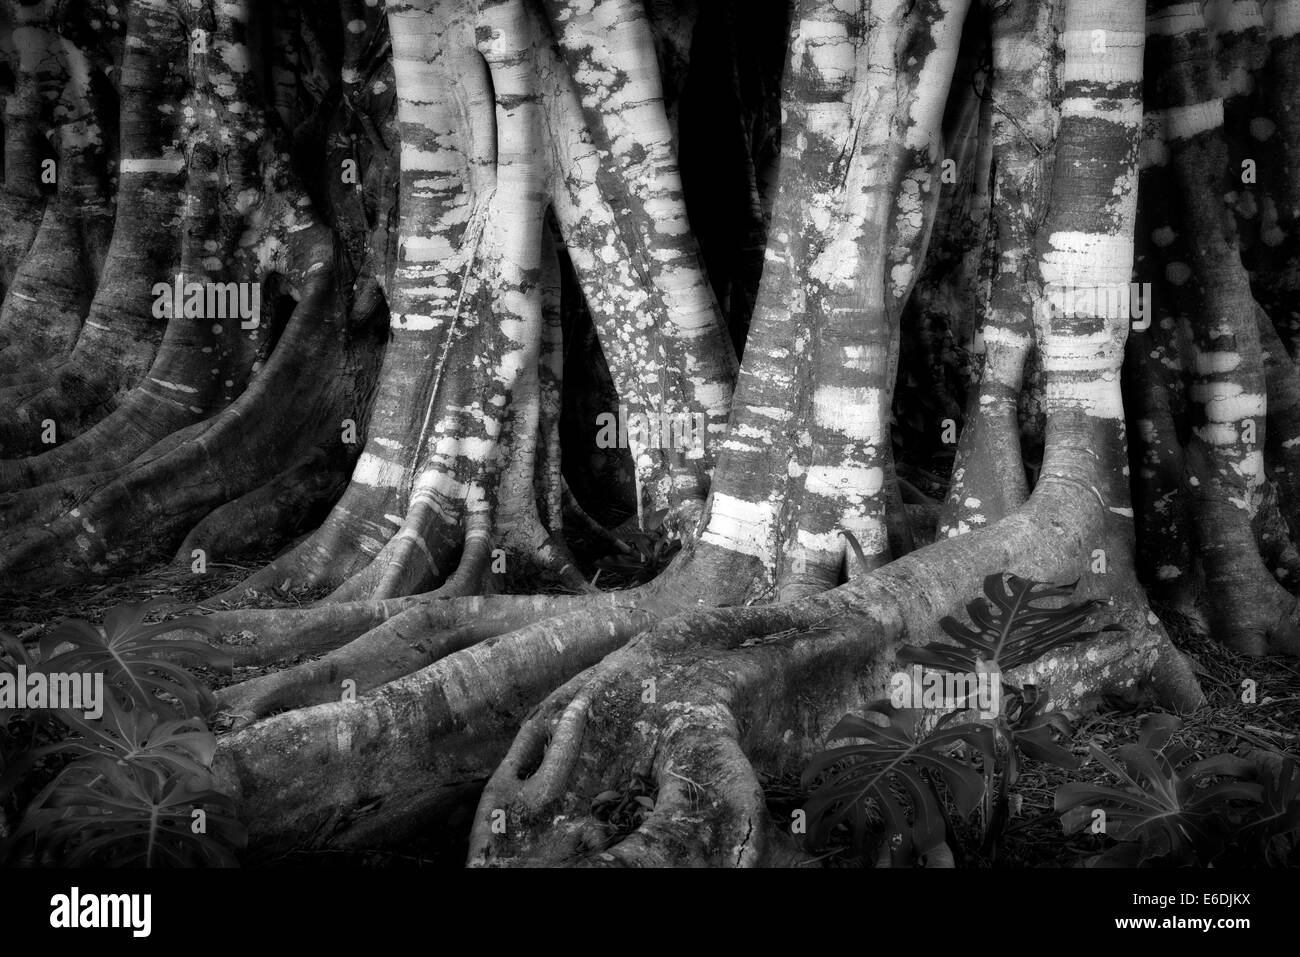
<point>886,254</point>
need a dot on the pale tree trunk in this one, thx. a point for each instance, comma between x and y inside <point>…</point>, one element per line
<point>430,191</point>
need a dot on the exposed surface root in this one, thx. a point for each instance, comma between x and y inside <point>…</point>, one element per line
<point>701,699</point>
<point>378,767</point>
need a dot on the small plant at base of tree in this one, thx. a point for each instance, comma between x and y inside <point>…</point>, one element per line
<point>858,785</point>
<point>648,554</point>
<point>1174,809</point>
<point>135,788</point>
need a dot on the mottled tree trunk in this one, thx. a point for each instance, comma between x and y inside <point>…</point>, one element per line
<point>911,244</point>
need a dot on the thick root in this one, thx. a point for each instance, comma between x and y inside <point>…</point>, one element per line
<point>698,703</point>
<point>398,647</point>
<point>700,723</point>
<point>275,634</point>
<point>378,768</point>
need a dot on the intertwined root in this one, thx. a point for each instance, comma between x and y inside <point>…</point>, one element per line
<point>422,635</point>
<point>402,723</point>
<point>642,715</point>
<point>396,725</point>
<point>694,722</point>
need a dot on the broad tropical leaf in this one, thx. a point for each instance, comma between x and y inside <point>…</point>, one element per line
<point>886,777</point>
<point>119,815</point>
<point>136,736</point>
<point>1271,834</point>
<point>1030,730</point>
<point>136,659</point>
<point>1022,728</point>
<point>1172,808</point>
<point>1012,627</point>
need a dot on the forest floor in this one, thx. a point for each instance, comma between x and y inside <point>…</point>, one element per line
<point>1033,838</point>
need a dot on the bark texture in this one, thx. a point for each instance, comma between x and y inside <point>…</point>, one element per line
<point>943,289</point>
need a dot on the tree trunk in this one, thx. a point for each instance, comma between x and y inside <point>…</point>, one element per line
<point>942,289</point>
